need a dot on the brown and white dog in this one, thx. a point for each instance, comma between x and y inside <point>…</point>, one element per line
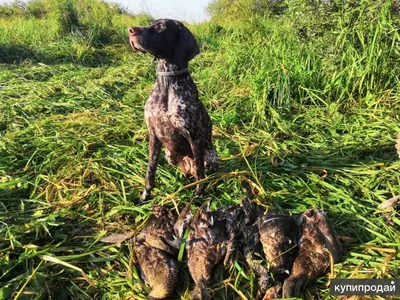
<point>174,115</point>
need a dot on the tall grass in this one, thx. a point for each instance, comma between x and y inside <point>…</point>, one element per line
<point>63,30</point>
<point>305,104</point>
<point>316,55</point>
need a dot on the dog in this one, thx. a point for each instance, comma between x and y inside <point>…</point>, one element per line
<point>175,116</point>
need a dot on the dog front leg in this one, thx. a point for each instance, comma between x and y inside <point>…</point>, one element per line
<point>198,157</point>
<point>154,155</point>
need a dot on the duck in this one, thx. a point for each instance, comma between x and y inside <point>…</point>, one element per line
<point>211,240</point>
<point>318,241</point>
<point>156,250</point>
<point>278,236</point>
<point>255,259</point>
<point>269,246</point>
<point>252,247</point>
<point>267,287</point>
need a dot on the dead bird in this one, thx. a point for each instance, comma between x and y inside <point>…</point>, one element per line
<point>252,247</point>
<point>270,246</point>
<point>317,239</point>
<point>211,240</point>
<point>156,249</point>
<point>255,259</point>
<point>232,216</point>
<point>278,235</point>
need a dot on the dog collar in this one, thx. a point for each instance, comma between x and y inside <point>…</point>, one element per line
<point>173,73</point>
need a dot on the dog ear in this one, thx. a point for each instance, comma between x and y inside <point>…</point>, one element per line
<point>186,47</point>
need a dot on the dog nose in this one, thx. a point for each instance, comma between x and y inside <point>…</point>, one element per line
<point>135,31</point>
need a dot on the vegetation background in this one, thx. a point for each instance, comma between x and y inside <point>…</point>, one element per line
<point>304,97</point>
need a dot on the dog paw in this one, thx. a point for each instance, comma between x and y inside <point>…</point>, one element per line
<point>146,195</point>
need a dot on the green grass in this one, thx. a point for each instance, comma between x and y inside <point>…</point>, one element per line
<point>309,113</point>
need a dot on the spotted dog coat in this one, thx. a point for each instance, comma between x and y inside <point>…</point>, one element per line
<point>174,115</point>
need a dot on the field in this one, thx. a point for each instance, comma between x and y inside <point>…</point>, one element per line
<point>305,105</point>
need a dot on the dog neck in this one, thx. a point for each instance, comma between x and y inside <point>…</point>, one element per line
<point>169,69</point>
